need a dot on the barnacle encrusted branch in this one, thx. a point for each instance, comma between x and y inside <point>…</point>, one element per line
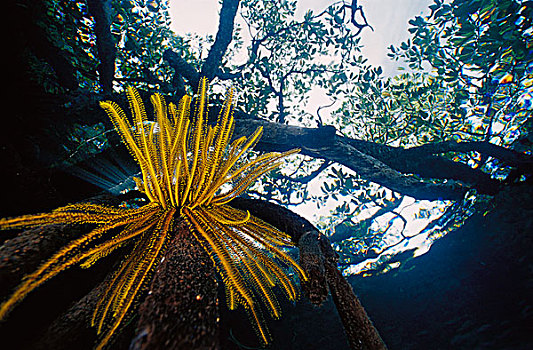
<point>189,171</point>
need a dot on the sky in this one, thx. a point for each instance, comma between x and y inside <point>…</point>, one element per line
<point>389,19</point>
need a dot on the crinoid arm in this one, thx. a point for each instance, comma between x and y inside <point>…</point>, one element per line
<point>189,171</point>
<point>247,255</point>
<point>106,218</point>
<point>132,277</point>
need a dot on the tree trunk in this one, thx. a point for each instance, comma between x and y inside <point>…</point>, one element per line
<point>181,309</point>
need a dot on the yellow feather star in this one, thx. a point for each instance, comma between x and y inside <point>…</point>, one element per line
<point>190,171</point>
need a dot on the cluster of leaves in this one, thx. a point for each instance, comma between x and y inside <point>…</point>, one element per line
<point>339,183</point>
<point>142,32</point>
<point>480,50</point>
<point>289,57</point>
<point>353,227</point>
<point>285,187</point>
<point>470,79</point>
<point>69,29</point>
<point>406,110</point>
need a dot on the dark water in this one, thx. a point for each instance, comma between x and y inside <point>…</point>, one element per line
<point>472,290</point>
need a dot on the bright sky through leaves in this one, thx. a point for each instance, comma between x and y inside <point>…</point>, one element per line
<point>389,21</point>
<point>388,18</point>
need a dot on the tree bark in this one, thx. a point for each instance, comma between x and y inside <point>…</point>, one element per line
<point>181,309</point>
<point>362,335</point>
<point>321,266</point>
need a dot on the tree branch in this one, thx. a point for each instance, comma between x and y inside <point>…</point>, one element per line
<point>506,155</point>
<point>427,165</point>
<point>182,67</point>
<point>183,285</point>
<point>392,167</point>
<point>311,176</point>
<point>357,9</point>
<point>323,143</point>
<point>222,40</point>
<point>318,255</point>
<point>362,334</point>
<point>341,235</point>
<point>101,11</point>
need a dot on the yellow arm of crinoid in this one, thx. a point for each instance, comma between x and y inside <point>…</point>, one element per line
<point>123,127</point>
<point>253,170</point>
<point>225,166</point>
<point>198,135</point>
<point>164,143</point>
<point>115,306</point>
<point>216,144</point>
<point>75,251</point>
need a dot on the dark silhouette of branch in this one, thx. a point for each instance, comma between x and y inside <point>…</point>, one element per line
<point>101,11</point>
<point>222,40</point>
<point>362,335</point>
<point>323,143</point>
<point>311,176</point>
<point>212,64</point>
<point>355,10</point>
<point>182,67</point>
<point>392,167</point>
<point>319,117</point>
<point>427,165</point>
<point>320,262</point>
<point>509,156</point>
<point>341,235</point>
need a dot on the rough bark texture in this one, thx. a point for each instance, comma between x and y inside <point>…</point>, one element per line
<point>312,262</point>
<point>181,309</point>
<point>321,266</point>
<point>23,253</point>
